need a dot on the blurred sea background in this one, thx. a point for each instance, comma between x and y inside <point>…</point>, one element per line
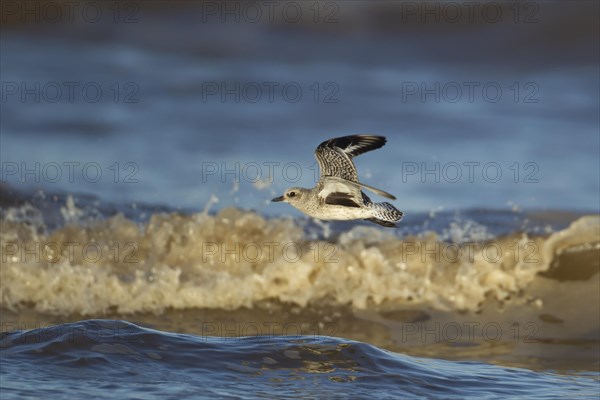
<point>141,143</point>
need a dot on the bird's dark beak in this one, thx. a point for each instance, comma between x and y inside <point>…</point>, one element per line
<point>280,198</point>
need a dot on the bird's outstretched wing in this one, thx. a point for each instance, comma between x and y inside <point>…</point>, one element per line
<point>335,155</point>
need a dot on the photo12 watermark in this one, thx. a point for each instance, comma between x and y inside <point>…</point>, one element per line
<point>251,172</point>
<point>72,252</point>
<point>467,332</point>
<point>36,92</point>
<point>270,12</point>
<point>19,332</point>
<point>69,172</point>
<point>253,252</point>
<point>469,92</point>
<point>266,330</point>
<point>69,12</point>
<point>470,12</point>
<point>469,172</point>
<point>493,252</point>
<point>270,92</point>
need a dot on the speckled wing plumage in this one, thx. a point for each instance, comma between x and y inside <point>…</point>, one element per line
<point>335,155</point>
<point>385,214</point>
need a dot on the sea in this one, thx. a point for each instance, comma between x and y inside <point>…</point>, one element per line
<point>142,142</point>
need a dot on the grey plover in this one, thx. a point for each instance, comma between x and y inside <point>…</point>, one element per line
<point>338,194</point>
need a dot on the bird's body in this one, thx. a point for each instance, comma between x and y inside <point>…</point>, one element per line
<point>338,194</point>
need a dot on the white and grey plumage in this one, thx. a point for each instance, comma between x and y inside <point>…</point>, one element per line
<point>338,194</point>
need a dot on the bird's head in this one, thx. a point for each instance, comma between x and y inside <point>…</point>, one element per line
<point>292,195</point>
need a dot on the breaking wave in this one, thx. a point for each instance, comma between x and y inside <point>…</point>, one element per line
<point>238,258</point>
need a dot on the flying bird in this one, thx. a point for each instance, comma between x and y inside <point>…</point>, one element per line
<point>338,195</point>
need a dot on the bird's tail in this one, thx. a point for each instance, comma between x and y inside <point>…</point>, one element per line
<point>385,214</point>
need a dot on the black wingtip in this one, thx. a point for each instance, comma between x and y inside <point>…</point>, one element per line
<point>381,222</point>
<point>362,142</point>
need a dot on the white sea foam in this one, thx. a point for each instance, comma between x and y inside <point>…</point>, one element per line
<point>241,259</point>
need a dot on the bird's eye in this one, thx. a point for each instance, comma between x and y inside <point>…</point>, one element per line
<point>291,194</point>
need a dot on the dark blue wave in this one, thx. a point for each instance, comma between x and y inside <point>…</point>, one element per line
<point>108,359</point>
